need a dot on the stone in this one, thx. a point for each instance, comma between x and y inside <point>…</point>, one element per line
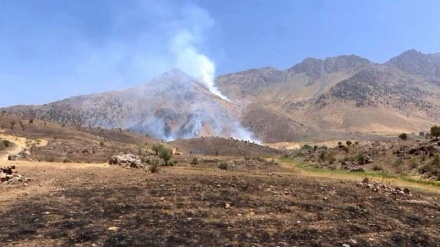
<point>113,228</point>
<point>127,160</point>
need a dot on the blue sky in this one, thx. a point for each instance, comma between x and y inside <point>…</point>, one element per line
<point>52,49</point>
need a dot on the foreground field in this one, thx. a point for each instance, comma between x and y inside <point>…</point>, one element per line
<point>100,205</point>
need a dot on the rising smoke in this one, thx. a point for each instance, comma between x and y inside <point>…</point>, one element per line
<point>186,42</point>
<point>184,45</point>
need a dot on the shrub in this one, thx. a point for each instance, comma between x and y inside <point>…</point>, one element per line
<point>49,159</point>
<point>165,154</point>
<point>348,143</point>
<point>6,143</point>
<point>377,168</point>
<point>194,161</point>
<point>223,166</point>
<point>435,131</point>
<point>154,168</point>
<point>413,162</point>
<point>403,136</point>
<point>101,143</point>
<point>307,147</point>
<point>327,157</point>
<point>360,157</point>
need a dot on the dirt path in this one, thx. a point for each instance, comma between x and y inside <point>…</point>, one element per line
<point>20,143</point>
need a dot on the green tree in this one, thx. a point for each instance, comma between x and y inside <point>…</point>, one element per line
<point>435,131</point>
<point>403,136</point>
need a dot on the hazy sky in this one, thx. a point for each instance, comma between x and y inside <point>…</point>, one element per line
<point>53,49</point>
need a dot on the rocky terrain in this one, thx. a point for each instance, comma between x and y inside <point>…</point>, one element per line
<point>413,158</point>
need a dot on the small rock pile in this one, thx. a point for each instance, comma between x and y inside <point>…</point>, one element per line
<point>382,188</point>
<point>8,175</point>
<point>127,161</point>
<point>24,154</point>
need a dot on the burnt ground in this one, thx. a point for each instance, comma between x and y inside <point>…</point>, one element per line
<point>223,147</point>
<point>76,204</point>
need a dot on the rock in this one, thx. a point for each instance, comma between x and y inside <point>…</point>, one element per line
<point>127,160</point>
<point>227,205</point>
<point>14,157</point>
<point>406,191</point>
<point>368,159</point>
<point>113,228</point>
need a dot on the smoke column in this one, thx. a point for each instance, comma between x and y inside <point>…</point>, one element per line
<point>184,45</point>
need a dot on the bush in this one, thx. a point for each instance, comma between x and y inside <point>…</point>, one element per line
<point>223,166</point>
<point>403,136</point>
<point>377,168</point>
<point>435,131</point>
<point>413,162</point>
<point>348,143</point>
<point>360,157</point>
<point>432,169</point>
<point>194,161</point>
<point>164,153</point>
<point>6,143</point>
<point>325,156</point>
<point>307,147</point>
<point>154,168</point>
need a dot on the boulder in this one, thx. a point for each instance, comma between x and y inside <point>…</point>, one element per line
<point>14,157</point>
<point>127,160</point>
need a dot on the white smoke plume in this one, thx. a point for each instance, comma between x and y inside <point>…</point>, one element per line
<point>184,45</point>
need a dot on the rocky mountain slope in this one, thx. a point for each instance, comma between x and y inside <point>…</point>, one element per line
<point>314,99</point>
<point>339,95</point>
<point>171,106</point>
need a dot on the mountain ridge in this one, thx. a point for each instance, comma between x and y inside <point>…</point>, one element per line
<point>316,98</point>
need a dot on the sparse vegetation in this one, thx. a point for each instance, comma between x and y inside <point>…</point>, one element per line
<point>165,154</point>
<point>377,168</point>
<point>6,143</point>
<point>403,136</point>
<point>435,131</point>
<point>223,166</point>
<point>154,168</point>
<point>194,161</point>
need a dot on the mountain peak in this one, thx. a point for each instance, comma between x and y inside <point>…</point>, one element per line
<point>418,63</point>
<point>310,66</point>
<point>314,66</point>
<point>344,63</point>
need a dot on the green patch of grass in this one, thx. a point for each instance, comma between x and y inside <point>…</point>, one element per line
<point>377,174</point>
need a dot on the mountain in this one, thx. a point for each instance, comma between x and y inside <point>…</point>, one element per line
<point>343,97</point>
<point>171,106</point>
<point>417,63</point>
<point>300,82</point>
<point>344,94</point>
